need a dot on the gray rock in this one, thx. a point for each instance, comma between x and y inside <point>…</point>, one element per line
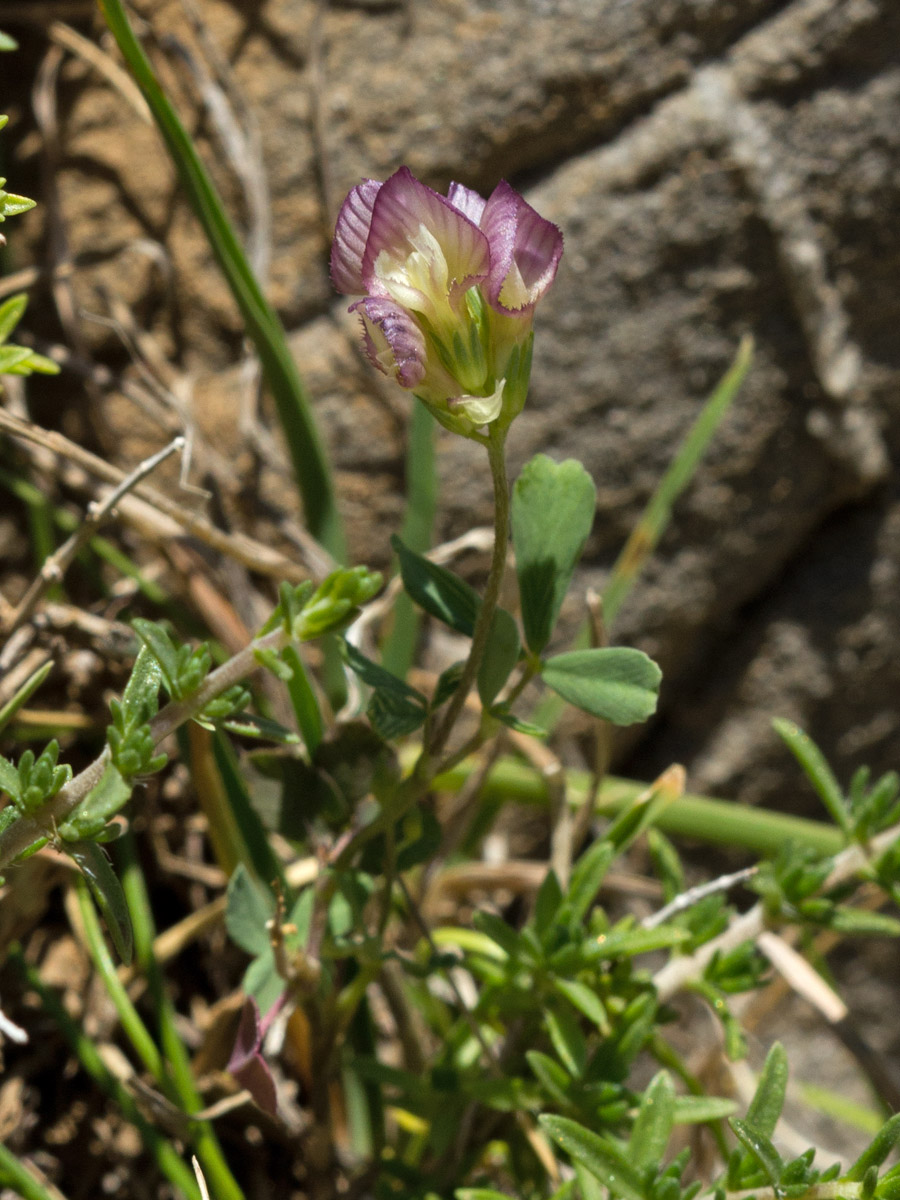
<point>718,169</point>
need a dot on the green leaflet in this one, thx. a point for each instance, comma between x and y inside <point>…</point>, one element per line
<point>618,684</point>
<point>551,513</point>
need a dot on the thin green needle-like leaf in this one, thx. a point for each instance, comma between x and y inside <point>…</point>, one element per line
<point>39,519</point>
<point>817,770</point>
<point>655,516</point>
<point>758,1145</point>
<point>877,1152</point>
<point>263,325</point>
<point>597,1154</point>
<point>107,891</point>
<point>303,701</point>
<point>653,1125</point>
<point>768,1100</point>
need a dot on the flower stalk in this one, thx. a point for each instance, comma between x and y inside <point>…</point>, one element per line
<point>497,456</point>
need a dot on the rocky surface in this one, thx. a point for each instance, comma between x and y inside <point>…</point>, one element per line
<point>717,168</point>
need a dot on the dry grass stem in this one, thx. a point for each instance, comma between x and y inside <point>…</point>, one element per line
<point>55,567</point>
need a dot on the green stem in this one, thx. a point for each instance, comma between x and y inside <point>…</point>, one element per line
<point>14,1174</point>
<point>134,1027</point>
<point>222,1183</point>
<point>497,458</point>
<point>427,766</point>
<point>164,1154</point>
<point>723,822</point>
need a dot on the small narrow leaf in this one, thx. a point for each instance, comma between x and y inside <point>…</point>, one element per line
<point>646,808</point>
<point>102,802</point>
<point>618,684</point>
<point>760,1147</point>
<point>586,1000</point>
<point>9,779</point>
<point>551,514</point>
<point>625,943</point>
<point>161,646</point>
<point>859,923</point>
<point>768,1101</point>
<point>653,1124</point>
<point>875,1154</point>
<point>568,1040</point>
<point>546,905</point>
<point>655,517</point>
<point>596,1154</point>
<point>694,1110</point>
<point>107,891</point>
<point>551,1076</point>
<point>13,359</point>
<point>817,771</point>
<point>511,721</point>
<point>250,725</point>
<point>141,696</point>
<point>498,931</point>
<point>13,206</point>
<point>587,876</point>
<point>303,701</point>
<point>11,312</point>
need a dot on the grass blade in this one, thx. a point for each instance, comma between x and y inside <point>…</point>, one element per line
<point>655,516</point>
<point>292,401</point>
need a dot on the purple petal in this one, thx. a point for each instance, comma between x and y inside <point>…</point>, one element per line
<point>393,342</point>
<point>400,210</point>
<point>350,236</point>
<point>469,203</point>
<point>525,251</point>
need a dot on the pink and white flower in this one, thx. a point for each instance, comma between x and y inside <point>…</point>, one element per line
<point>448,287</point>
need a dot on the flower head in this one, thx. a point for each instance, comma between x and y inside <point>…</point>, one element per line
<point>448,287</point>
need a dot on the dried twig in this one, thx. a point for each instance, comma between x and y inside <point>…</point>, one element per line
<point>89,52</point>
<point>55,567</point>
<point>146,509</point>
<point>748,926</point>
<point>693,895</point>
